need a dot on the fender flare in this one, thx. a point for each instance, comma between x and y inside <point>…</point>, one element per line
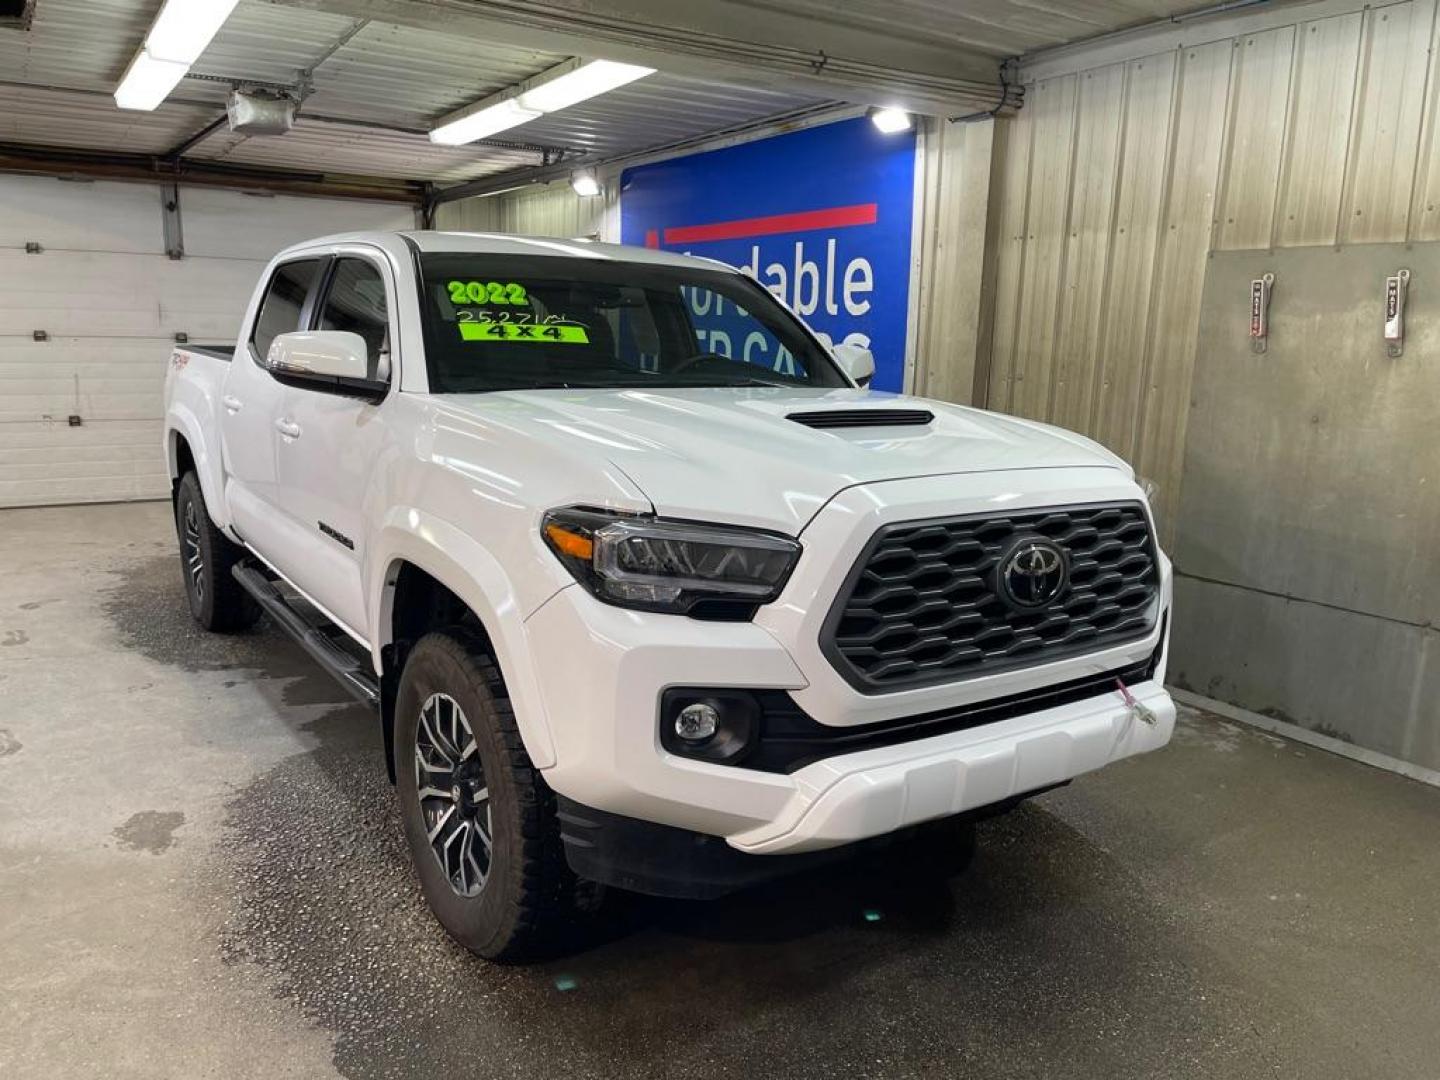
<point>181,420</point>
<point>451,557</point>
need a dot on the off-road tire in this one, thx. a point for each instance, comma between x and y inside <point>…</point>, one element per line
<point>207,557</point>
<point>526,906</point>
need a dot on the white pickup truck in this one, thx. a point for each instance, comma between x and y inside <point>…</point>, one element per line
<point>647,588</point>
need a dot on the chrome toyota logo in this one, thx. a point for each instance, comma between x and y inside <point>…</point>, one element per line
<point>1034,572</point>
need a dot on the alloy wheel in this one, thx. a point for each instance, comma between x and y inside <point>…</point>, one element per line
<point>454,798</point>
<point>194,557</point>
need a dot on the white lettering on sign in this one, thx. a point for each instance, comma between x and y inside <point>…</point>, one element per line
<point>798,276</point>
<point>810,284</point>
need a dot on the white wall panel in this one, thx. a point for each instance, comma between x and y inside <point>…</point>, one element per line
<point>239,225</point>
<point>80,215</point>
<point>110,303</point>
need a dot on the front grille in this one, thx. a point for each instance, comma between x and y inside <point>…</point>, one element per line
<point>924,604</point>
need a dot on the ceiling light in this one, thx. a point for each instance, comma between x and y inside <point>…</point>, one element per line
<point>585,184</point>
<point>177,37</point>
<point>148,81</point>
<point>890,120</point>
<point>483,122</point>
<point>550,91</point>
<point>586,81</point>
<point>184,27</point>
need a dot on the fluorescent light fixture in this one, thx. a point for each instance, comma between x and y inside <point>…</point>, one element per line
<point>585,184</point>
<point>586,81</point>
<point>890,120</point>
<point>148,82</point>
<point>184,27</point>
<point>559,88</point>
<point>483,122</point>
<point>177,37</point>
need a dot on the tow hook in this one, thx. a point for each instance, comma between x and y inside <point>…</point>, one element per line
<point>1137,710</point>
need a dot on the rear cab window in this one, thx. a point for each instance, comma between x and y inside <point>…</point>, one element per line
<point>283,304</point>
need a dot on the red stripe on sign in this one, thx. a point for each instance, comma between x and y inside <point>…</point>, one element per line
<point>835,217</point>
<point>652,238</point>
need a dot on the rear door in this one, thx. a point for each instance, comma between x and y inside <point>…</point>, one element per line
<point>250,406</point>
<point>330,442</point>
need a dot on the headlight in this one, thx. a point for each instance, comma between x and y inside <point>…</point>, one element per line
<point>709,571</point>
<point>1149,488</point>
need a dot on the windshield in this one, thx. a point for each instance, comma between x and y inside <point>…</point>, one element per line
<point>502,322</point>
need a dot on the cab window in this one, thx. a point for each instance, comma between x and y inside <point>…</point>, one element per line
<point>355,301</point>
<point>284,301</point>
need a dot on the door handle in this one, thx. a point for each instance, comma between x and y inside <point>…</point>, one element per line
<point>288,428</point>
<point>231,403</point>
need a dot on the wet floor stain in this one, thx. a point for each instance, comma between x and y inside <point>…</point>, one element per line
<point>14,637</point>
<point>149,830</point>
<point>1046,957</point>
<point>147,608</point>
<point>8,743</point>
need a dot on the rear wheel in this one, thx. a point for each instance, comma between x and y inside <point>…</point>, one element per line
<point>207,557</point>
<point>479,819</point>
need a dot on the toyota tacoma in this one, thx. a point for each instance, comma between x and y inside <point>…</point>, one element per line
<point>646,587</point>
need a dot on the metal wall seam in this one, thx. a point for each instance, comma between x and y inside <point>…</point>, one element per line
<point>1323,95</point>
<point>1424,221</point>
<point>1386,135</point>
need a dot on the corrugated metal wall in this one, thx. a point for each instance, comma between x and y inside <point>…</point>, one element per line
<point>552,210</point>
<point>1118,180</point>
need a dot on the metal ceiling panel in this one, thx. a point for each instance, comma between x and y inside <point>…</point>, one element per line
<point>413,77</point>
<point>90,121</point>
<point>270,43</point>
<point>316,146</point>
<point>76,43</point>
<point>1000,27</point>
<point>656,111</point>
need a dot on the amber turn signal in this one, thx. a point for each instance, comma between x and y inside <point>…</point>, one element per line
<point>569,543</point>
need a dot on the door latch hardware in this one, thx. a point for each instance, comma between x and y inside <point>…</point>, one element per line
<point>1260,290</point>
<point>1397,286</point>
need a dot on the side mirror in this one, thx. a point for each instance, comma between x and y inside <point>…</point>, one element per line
<point>323,355</point>
<point>856,361</point>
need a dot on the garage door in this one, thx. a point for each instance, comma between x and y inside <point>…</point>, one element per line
<point>87,320</point>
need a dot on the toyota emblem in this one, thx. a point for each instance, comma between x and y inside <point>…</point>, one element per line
<point>1033,572</point>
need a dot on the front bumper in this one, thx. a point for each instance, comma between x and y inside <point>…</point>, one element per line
<point>603,670</point>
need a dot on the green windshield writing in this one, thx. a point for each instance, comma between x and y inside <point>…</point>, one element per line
<point>504,331</point>
<point>486,292</point>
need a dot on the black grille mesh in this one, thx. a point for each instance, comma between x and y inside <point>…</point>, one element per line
<point>923,605</point>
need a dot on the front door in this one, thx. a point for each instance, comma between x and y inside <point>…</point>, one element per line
<point>329,443</point>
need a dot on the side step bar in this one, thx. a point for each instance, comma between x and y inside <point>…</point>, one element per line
<point>351,672</point>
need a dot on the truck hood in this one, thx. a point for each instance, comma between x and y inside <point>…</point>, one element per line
<point>736,455</point>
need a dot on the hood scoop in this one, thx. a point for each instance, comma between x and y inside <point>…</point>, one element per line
<point>862,418</point>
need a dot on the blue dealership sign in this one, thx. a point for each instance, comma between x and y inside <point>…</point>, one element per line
<point>821,217</point>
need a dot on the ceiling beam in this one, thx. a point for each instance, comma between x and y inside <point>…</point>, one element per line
<point>103,165</point>
<point>741,42</point>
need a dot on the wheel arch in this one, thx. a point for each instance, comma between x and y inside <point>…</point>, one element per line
<point>429,573</point>
<point>186,445</point>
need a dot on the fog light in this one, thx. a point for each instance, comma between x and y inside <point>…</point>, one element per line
<point>697,722</point>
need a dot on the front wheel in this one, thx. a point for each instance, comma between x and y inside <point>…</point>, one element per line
<point>479,819</point>
<point>207,558</point>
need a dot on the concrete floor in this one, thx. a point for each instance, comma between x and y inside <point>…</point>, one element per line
<point>201,874</point>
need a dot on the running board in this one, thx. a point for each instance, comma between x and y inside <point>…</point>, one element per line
<point>349,670</point>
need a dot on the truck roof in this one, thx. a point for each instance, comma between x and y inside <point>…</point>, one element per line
<point>508,244</point>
